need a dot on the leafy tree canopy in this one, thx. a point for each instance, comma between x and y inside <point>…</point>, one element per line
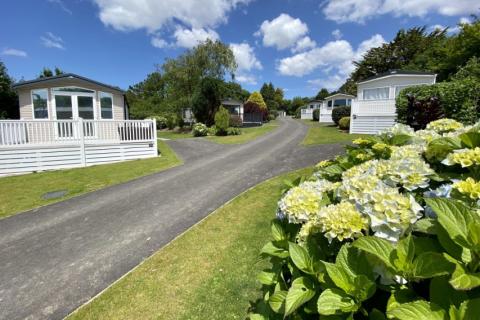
<point>322,94</point>
<point>256,97</point>
<point>8,97</point>
<point>47,72</point>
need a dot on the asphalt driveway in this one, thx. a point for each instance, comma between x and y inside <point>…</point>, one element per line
<point>55,258</point>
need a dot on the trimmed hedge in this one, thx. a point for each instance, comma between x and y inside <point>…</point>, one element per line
<point>344,123</point>
<point>316,114</point>
<point>459,100</point>
<point>340,112</point>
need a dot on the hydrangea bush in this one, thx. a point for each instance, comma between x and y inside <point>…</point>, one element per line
<point>389,230</point>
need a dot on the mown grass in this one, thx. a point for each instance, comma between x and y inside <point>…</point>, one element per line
<point>24,192</point>
<point>321,133</point>
<point>248,134</point>
<point>209,272</point>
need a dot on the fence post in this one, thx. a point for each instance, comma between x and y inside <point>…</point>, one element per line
<point>81,137</point>
<point>155,142</point>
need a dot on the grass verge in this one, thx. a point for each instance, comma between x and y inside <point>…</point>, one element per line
<point>24,192</point>
<point>209,272</point>
<point>173,135</point>
<point>248,134</point>
<point>321,133</point>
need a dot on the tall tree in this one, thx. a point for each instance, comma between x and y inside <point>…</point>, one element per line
<point>8,98</point>
<point>322,94</point>
<point>47,72</point>
<point>211,59</point>
<point>268,93</point>
<point>147,98</point>
<point>207,100</point>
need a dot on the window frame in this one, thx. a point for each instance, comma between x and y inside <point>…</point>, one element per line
<point>100,104</point>
<point>376,88</point>
<point>33,104</point>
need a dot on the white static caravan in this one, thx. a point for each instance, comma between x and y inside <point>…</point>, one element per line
<point>331,102</point>
<point>374,109</point>
<point>307,111</point>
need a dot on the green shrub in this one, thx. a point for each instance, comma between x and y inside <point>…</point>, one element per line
<point>212,131</point>
<point>344,123</point>
<point>172,121</point>
<point>222,121</point>
<point>380,232</point>
<point>233,131</point>
<point>459,100</point>
<point>235,121</point>
<point>199,130</point>
<point>340,112</point>
<point>161,121</point>
<point>316,114</point>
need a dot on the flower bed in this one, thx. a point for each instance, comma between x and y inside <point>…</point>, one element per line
<point>390,230</point>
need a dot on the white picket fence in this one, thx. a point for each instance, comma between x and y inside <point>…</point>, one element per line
<point>27,146</point>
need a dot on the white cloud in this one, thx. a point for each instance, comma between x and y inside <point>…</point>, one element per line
<point>337,34</point>
<point>158,42</point>
<point>451,30</point>
<point>52,41</point>
<point>332,82</point>
<point>188,38</point>
<point>246,78</point>
<point>245,57</point>
<point>62,5</point>
<point>335,58</point>
<point>362,10</point>
<point>304,44</point>
<point>152,15</point>
<point>282,32</point>
<point>14,52</point>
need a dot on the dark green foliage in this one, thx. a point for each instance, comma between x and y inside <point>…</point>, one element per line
<point>222,121</point>
<point>233,131</point>
<point>344,123</point>
<point>459,100</point>
<point>47,72</point>
<point>233,90</point>
<point>340,112</point>
<point>147,98</point>
<point>172,121</point>
<point>316,114</point>
<point>207,100</point>
<point>8,98</point>
<point>322,94</point>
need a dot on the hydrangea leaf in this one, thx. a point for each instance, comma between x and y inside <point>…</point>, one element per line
<point>267,277</point>
<point>364,288</point>
<point>400,296</point>
<point>439,148</point>
<point>417,310</point>
<point>278,232</point>
<point>335,301</point>
<point>404,254</point>
<point>461,280</point>
<point>300,292</point>
<point>300,258</point>
<point>341,277</point>
<point>431,264</point>
<point>470,139</point>
<point>272,250</point>
<point>354,261</point>
<point>454,218</point>
<point>400,139</point>
<point>470,309</point>
<point>376,314</point>
<point>277,301</point>
<point>425,225</point>
<point>443,294</point>
<point>380,248</point>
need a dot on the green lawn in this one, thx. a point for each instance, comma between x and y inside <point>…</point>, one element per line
<point>248,134</point>
<point>209,272</point>
<point>321,133</point>
<point>24,192</point>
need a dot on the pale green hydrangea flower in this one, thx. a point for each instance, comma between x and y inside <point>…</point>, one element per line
<point>302,202</point>
<point>337,221</point>
<point>464,157</point>
<point>444,125</point>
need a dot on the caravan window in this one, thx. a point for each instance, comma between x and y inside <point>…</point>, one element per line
<point>376,93</point>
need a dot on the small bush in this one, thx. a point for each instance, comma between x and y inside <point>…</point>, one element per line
<point>235,121</point>
<point>212,131</point>
<point>222,121</point>
<point>316,114</point>
<point>271,117</point>
<point>172,121</point>
<point>340,112</point>
<point>232,131</point>
<point>161,121</point>
<point>199,130</point>
<point>344,123</point>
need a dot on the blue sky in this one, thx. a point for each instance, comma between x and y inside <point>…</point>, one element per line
<point>299,45</point>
